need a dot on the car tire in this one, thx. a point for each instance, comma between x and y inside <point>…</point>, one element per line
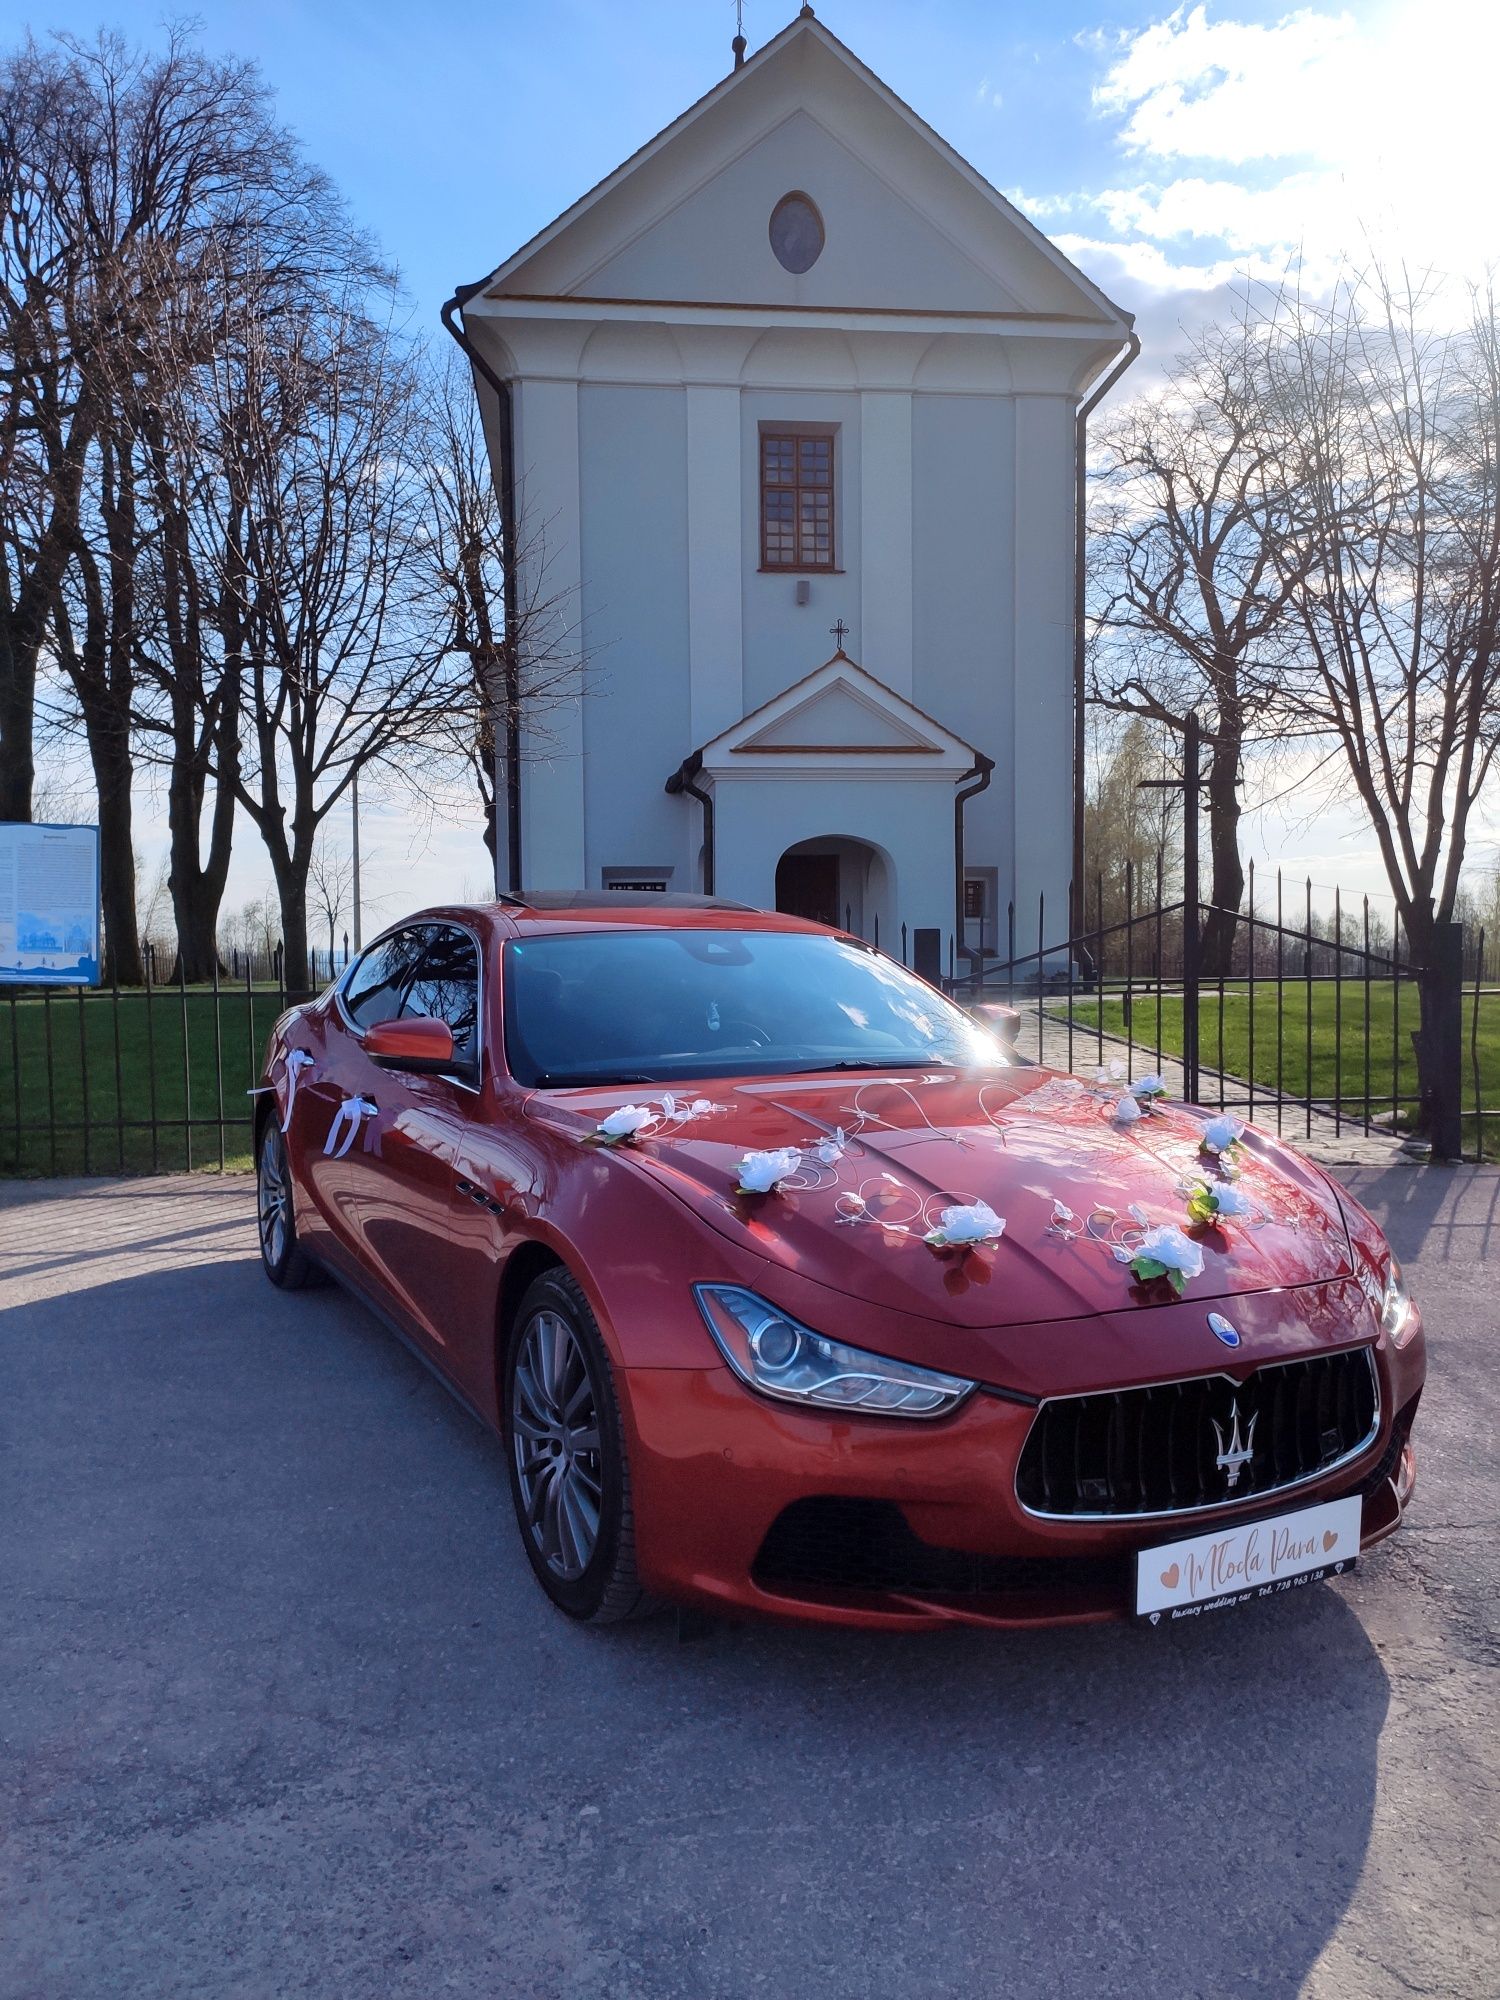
<point>282,1257</point>
<point>565,1450</point>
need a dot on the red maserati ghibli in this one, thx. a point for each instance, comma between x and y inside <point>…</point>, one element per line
<point>791,1291</point>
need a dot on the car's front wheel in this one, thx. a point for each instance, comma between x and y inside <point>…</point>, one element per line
<point>284,1260</point>
<point>565,1445</point>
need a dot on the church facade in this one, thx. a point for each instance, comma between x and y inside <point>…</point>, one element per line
<point>784,416</point>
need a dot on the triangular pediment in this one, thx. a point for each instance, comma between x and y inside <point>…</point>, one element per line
<point>838,716</point>
<point>907,221</point>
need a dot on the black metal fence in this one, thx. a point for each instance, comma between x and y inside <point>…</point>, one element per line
<point>148,1079</point>
<point>1307,1022</point>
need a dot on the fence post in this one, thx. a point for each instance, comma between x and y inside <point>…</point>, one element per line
<point>1443,1031</point>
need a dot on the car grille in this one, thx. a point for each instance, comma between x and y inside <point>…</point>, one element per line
<point>835,1543</point>
<point>1161,1450</point>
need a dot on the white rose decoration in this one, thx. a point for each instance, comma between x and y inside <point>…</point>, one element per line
<point>1219,1134</point>
<point>1149,1086</point>
<point>763,1173</point>
<point>1165,1252</point>
<point>628,1122</point>
<point>1126,1112</point>
<point>965,1226</point>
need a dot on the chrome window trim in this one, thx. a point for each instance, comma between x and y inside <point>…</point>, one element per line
<point>1230,1503</point>
<point>414,924</point>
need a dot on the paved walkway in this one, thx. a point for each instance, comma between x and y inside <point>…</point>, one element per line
<point>284,1714</point>
<point>1332,1141</point>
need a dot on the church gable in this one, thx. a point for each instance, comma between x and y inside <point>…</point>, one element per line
<point>906,223</point>
<point>839,713</point>
<point>840,717</point>
<point>878,249</point>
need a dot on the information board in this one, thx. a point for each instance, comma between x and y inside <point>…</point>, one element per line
<point>49,905</point>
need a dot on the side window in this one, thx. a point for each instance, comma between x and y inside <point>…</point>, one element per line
<point>446,986</point>
<point>378,984</point>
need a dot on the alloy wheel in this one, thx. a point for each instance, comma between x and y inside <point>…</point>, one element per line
<point>274,1200</point>
<point>555,1438</point>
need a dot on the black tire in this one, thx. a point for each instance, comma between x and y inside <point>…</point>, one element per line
<point>282,1257</point>
<point>565,1450</point>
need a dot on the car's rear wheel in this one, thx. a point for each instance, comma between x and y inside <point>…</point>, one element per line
<point>565,1446</point>
<point>284,1260</point>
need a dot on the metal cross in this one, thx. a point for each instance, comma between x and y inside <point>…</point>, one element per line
<point>840,632</point>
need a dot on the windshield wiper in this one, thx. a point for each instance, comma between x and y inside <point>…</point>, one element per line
<point>875,1062</point>
<point>567,1079</point>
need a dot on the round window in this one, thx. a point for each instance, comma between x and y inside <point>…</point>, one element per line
<point>796,233</point>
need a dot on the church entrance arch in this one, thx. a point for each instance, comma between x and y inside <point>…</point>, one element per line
<point>837,880</point>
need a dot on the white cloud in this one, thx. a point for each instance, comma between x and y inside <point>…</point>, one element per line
<point>1148,265</point>
<point>1231,90</point>
<point>1313,136</point>
<point>989,94</point>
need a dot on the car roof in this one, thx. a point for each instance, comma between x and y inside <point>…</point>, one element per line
<point>545,900</point>
<point>556,910</point>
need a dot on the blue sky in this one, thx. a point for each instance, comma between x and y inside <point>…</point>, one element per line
<point>1167,151</point>
<point>1214,136</point>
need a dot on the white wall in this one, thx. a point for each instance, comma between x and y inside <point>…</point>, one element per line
<point>634,561</point>
<point>966,602</point>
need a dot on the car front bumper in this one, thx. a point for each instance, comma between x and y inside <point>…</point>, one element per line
<point>744,1505</point>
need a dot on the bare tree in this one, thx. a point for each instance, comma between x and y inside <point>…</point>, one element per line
<point>152,206</point>
<point>330,885</point>
<point>45,423</point>
<point>1129,832</point>
<point>1385,429</point>
<point>515,668</point>
<point>1190,605</point>
<point>337,673</point>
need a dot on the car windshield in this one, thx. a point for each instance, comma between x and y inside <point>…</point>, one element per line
<point>644,1006</point>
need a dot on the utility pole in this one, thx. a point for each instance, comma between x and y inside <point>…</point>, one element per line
<point>354,800</point>
<point>1190,784</point>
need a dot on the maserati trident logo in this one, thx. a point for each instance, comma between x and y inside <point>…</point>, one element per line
<point>1234,1454</point>
<point>1223,1329</point>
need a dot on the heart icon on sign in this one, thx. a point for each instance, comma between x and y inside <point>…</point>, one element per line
<point>1169,1577</point>
<point>1329,1538</point>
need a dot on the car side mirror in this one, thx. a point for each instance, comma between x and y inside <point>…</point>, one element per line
<point>1003,1022</point>
<point>418,1043</point>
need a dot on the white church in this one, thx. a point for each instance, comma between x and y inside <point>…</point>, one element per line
<point>789,407</point>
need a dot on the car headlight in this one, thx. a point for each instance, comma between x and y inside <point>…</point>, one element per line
<point>1397,1319</point>
<point>779,1356</point>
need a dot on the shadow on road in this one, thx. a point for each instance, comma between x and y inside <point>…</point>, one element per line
<point>287,1701</point>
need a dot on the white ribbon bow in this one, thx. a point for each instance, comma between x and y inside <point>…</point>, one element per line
<point>346,1121</point>
<point>294,1062</point>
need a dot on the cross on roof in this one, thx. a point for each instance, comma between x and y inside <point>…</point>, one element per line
<point>840,632</point>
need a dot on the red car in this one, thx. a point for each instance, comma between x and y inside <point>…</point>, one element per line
<point>791,1291</point>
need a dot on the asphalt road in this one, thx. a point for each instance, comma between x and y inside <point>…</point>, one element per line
<point>282,1712</point>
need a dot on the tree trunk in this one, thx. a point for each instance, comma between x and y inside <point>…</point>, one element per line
<point>1434,950</point>
<point>197,887</point>
<point>1227,874</point>
<point>195,909</point>
<point>123,961</point>
<point>17,708</point>
<point>292,893</point>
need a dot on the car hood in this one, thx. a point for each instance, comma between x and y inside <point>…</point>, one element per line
<point>1040,1148</point>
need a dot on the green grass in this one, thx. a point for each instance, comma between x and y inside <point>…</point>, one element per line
<point>170,1062</point>
<point>1329,1060</point>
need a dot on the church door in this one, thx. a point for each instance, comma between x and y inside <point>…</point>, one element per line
<point>807,885</point>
